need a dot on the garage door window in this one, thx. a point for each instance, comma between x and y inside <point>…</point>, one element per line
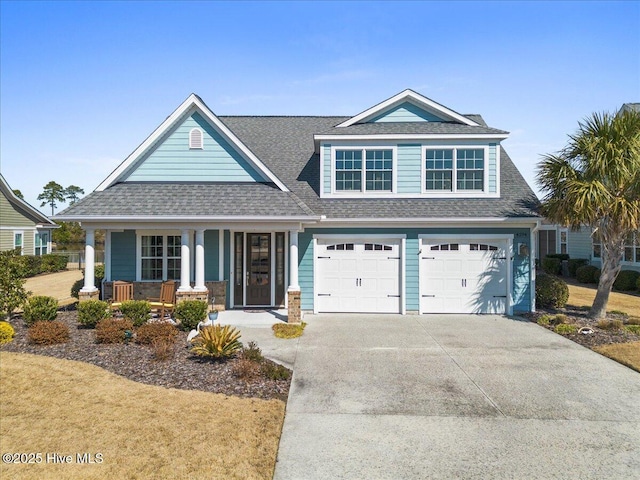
<point>377,247</point>
<point>340,246</point>
<point>482,247</point>
<point>445,247</point>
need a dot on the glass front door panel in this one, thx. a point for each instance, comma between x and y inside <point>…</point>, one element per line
<point>258,269</point>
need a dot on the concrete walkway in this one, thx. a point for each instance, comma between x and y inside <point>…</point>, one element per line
<point>416,397</point>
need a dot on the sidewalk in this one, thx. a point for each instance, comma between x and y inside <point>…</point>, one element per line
<point>57,285</point>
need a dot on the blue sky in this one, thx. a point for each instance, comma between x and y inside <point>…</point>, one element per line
<point>82,84</point>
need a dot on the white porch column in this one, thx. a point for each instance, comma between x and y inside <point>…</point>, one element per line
<point>185,275</point>
<point>293,261</point>
<point>200,286</point>
<point>90,262</point>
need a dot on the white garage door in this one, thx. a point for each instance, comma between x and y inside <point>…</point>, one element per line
<point>463,277</point>
<point>358,276</point>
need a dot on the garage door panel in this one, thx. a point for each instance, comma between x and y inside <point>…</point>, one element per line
<point>469,279</point>
<point>365,278</point>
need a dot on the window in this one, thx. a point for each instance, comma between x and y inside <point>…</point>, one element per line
<point>445,247</point>
<point>17,240</point>
<point>377,247</point>
<point>196,139</point>
<point>482,247</point>
<point>42,242</point>
<point>376,170</point>
<point>563,240</point>
<point>160,257</point>
<point>341,246</point>
<point>443,174</point>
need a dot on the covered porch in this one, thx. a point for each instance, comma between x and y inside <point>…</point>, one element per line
<point>233,266</point>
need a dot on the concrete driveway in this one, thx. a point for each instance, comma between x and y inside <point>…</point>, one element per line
<point>455,396</point>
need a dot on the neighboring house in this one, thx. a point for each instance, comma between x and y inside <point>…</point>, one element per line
<point>21,225</point>
<point>554,238</point>
<point>408,206</point>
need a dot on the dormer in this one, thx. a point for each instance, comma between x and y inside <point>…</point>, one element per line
<point>410,146</point>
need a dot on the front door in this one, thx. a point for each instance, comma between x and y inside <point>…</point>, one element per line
<point>258,269</point>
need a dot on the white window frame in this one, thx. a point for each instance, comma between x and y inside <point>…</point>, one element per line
<point>165,257</point>
<point>454,180</point>
<point>15,234</point>
<point>192,145</point>
<point>565,232</point>
<point>44,245</point>
<point>364,192</point>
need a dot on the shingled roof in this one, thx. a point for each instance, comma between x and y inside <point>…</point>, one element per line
<point>285,145</point>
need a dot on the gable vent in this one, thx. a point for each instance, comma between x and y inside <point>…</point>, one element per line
<point>195,138</point>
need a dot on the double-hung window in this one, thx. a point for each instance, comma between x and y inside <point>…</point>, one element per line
<point>18,238</point>
<point>363,170</point>
<point>454,170</point>
<point>160,257</point>
<point>41,243</point>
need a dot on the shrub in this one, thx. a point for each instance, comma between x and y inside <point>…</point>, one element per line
<point>559,256</point>
<point>626,280</point>
<point>551,291</point>
<point>544,320</point>
<point>633,329</point>
<point>40,308</point>
<point>75,288</point>
<point>47,332</point>
<point>53,263</point>
<point>163,349</point>
<point>12,279</point>
<point>565,328</point>
<point>274,371</point>
<point>148,333</point>
<point>288,330</point>
<point>638,284</point>
<point>31,265</point>
<point>190,313</point>
<point>6,332</point>
<point>575,263</point>
<point>92,311</point>
<point>586,273</point>
<point>138,311</point>
<point>217,341</point>
<point>610,324</point>
<point>246,369</point>
<point>113,330</point>
<point>632,320</point>
<point>252,353</point>
<point>551,265</point>
<point>596,276</point>
<point>558,319</point>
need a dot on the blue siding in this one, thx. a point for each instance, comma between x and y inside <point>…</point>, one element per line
<point>326,152</point>
<point>493,168</point>
<point>409,168</point>
<point>172,160</point>
<point>123,255</point>
<point>211,255</point>
<point>521,272</point>
<point>406,112</point>
<point>226,269</point>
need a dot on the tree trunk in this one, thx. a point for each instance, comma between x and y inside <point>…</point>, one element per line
<point>599,307</point>
<point>612,250</point>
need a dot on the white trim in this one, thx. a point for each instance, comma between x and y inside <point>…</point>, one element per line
<point>461,238</point>
<point>221,255</point>
<point>363,192</point>
<point>19,227</point>
<point>22,238</point>
<point>403,275</point>
<point>412,136</point>
<point>189,106</point>
<point>454,173</point>
<point>286,269</point>
<point>272,267</point>
<point>173,232</point>
<point>410,96</point>
<point>232,266</point>
<point>20,203</point>
<point>314,241</point>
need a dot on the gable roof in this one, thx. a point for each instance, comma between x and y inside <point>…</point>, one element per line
<point>630,107</point>
<point>415,98</point>
<point>23,207</point>
<point>191,104</point>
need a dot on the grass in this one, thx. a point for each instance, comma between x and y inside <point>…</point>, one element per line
<point>625,353</point>
<point>288,330</point>
<point>582,296</point>
<point>142,431</point>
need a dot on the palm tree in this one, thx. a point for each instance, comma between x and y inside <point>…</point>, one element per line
<point>595,181</point>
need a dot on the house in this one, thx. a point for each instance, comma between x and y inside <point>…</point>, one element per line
<point>408,206</point>
<point>21,225</point>
<point>583,243</point>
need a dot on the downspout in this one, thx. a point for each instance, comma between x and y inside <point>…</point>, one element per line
<point>532,264</point>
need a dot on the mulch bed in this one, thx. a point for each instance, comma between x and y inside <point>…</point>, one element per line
<point>579,317</point>
<point>135,362</point>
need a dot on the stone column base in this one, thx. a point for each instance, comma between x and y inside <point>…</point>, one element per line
<point>294,312</point>
<point>192,295</point>
<point>84,296</point>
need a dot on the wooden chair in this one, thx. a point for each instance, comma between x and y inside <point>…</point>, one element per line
<point>122,291</point>
<point>167,301</point>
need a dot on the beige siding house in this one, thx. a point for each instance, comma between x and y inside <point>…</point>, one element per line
<point>21,225</point>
